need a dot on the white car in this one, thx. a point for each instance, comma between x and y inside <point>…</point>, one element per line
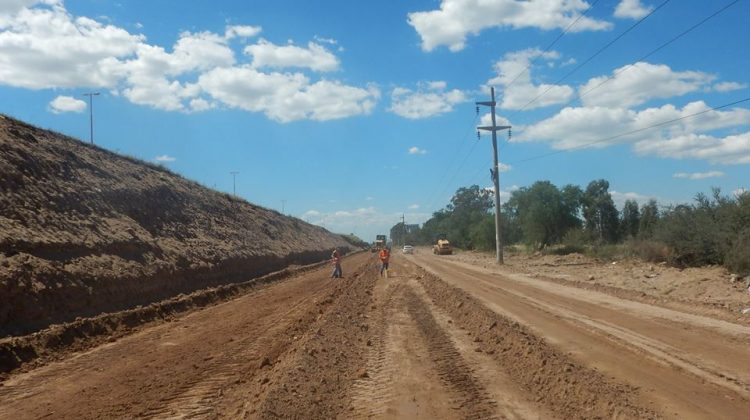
<point>408,249</point>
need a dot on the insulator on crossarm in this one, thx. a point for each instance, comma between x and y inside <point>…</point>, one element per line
<point>479,136</point>
<point>510,134</point>
<point>477,109</point>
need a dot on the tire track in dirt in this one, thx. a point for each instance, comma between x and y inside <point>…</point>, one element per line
<point>372,394</point>
<point>551,378</point>
<point>470,396</point>
<point>195,366</point>
<point>686,344</point>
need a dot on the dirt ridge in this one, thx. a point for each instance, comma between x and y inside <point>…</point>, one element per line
<point>85,231</point>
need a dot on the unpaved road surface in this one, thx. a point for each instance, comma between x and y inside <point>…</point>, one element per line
<point>437,339</point>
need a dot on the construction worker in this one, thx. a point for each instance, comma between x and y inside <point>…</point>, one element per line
<point>385,255</point>
<point>336,261</point>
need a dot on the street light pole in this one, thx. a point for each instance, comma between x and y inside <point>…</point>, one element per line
<point>91,114</point>
<point>234,177</point>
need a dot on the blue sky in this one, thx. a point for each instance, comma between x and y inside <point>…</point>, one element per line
<point>354,113</point>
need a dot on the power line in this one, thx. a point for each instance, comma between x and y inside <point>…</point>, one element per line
<point>599,51</point>
<point>447,170</point>
<point>649,54</point>
<point>551,44</point>
<point>617,136</point>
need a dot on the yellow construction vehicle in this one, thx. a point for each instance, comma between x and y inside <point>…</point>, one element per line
<point>443,246</point>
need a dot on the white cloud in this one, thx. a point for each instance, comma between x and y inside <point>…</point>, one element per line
<point>165,158</point>
<point>619,198</point>
<point>417,151</point>
<point>286,97</point>
<point>323,40</point>
<point>42,46</point>
<point>430,99</point>
<point>632,9</point>
<point>698,175</point>
<point>241,31</point>
<point>729,86</point>
<point>450,25</point>
<point>740,191</point>
<point>369,198</point>
<point>502,167</point>
<point>315,56</point>
<point>66,104</point>
<point>578,127</point>
<point>48,48</point>
<point>413,206</point>
<point>200,104</point>
<point>640,82</point>
<point>517,87</point>
<point>729,150</point>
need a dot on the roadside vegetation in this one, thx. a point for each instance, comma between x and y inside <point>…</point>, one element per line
<point>713,229</point>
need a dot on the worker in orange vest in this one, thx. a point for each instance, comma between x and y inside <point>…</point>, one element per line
<point>336,261</point>
<point>385,255</point>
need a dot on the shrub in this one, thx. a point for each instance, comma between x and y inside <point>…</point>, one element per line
<point>648,250</point>
<point>738,257</point>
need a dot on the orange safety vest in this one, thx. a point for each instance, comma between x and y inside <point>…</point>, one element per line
<point>384,255</point>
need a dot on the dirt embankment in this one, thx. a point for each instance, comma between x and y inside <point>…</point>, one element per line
<point>85,231</point>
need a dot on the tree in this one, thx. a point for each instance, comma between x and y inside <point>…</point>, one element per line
<point>649,218</point>
<point>599,212</point>
<point>631,218</point>
<point>545,213</point>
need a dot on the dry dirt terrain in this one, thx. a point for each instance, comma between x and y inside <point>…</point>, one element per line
<point>85,231</point>
<point>439,338</point>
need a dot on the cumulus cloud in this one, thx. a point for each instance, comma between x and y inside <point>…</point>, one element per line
<point>502,167</point>
<point>698,175</point>
<point>66,104</point>
<point>274,93</point>
<point>728,86</point>
<point>516,85</point>
<point>241,31</point>
<point>315,56</point>
<point>165,158</point>
<point>450,25</point>
<point>417,151</point>
<point>580,127</point>
<point>632,9</point>
<point>619,198</point>
<point>428,100</point>
<point>413,206</point>
<point>43,46</point>
<point>640,82</point>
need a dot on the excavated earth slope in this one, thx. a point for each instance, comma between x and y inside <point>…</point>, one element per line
<point>85,231</point>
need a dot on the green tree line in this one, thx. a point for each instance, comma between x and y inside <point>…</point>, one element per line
<point>713,229</point>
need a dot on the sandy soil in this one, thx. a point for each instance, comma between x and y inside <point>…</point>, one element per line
<point>85,231</point>
<point>709,290</point>
<point>409,346</point>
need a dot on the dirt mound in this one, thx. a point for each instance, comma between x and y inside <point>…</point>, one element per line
<point>85,231</point>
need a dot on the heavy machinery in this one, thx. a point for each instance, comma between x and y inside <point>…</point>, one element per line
<point>442,246</point>
<point>379,242</point>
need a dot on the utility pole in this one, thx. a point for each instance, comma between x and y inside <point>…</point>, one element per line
<point>91,113</point>
<point>234,177</point>
<point>403,229</point>
<point>495,171</point>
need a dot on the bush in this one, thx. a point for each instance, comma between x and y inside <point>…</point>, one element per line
<point>648,250</point>
<point>738,257</point>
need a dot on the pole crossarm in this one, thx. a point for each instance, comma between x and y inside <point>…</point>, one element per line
<point>491,128</point>
<point>486,103</point>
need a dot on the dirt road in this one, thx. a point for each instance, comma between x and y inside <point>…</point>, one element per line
<point>444,341</point>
